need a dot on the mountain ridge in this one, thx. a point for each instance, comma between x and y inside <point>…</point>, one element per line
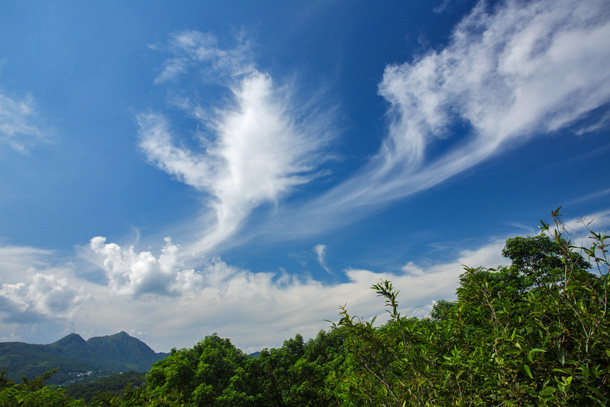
<point>76,357</point>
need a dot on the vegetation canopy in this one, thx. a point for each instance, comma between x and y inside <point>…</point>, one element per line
<point>534,333</point>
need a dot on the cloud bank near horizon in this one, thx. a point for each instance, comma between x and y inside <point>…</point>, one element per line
<point>34,289</point>
<point>155,295</point>
<point>152,294</point>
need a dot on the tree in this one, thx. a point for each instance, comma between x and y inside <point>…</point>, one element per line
<point>34,393</point>
<point>533,333</point>
<point>196,376</point>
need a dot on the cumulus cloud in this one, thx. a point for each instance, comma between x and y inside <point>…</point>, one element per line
<point>33,290</point>
<point>18,128</point>
<point>256,149</point>
<point>45,294</point>
<point>138,273</point>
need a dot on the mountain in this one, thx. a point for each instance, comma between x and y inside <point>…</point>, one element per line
<point>130,351</point>
<point>75,357</point>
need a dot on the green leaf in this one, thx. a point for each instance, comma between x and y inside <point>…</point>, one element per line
<point>535,350</point>
<point>528,371</point>
<point>547,391</point>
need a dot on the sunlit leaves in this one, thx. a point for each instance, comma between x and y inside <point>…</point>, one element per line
<point>533,333</point>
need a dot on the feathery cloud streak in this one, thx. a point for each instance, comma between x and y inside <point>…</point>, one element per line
<point>320,251</point>
<point>17,128</point>
<point>524,70</point>
<point>256,150</point>
<point>530,68</point>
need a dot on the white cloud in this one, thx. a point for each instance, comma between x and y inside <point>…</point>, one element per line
<point>33,289</point>
<point>257,149</point>
<point>235,303</point>
<point>530,68</point>
<point>521,70</point>
<point>194,49</point>
<point>524,70</point>
<point>14,260</point>
<point>600,124</point>
<point>176,306</point>
<point>48,295</point>
<point>139,273</point>
<point>442,7</point>
<point>579,229</point>
<point>320,250</point>
<point>18,129</point>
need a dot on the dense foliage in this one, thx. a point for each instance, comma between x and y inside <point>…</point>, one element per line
<point>106,387</point>
<point>33,393</point>
<point>534,333</point>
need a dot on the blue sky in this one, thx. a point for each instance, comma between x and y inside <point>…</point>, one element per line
<point>245,168</point>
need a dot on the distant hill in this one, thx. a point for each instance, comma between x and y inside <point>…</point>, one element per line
<point>77,358</point>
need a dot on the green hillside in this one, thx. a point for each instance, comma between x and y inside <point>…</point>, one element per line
<point>77,359</point>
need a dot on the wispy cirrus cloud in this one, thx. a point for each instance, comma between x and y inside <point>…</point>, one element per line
<point>256,149</point>
<point>194,49</point>
<point>526,69</point>
<point>320,251</point>
<point>19,129</point>
<point>16,259</point>
<point>518,71</point>
<point>521,70</point>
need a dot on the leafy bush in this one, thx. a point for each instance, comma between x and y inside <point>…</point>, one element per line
<point>33,393</point>
<point>534,333</point>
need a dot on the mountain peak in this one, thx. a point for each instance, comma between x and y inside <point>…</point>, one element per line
<point>117,353</point>
<point>118,335</point>
<point>70,340</point>
<point>122,346</point>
